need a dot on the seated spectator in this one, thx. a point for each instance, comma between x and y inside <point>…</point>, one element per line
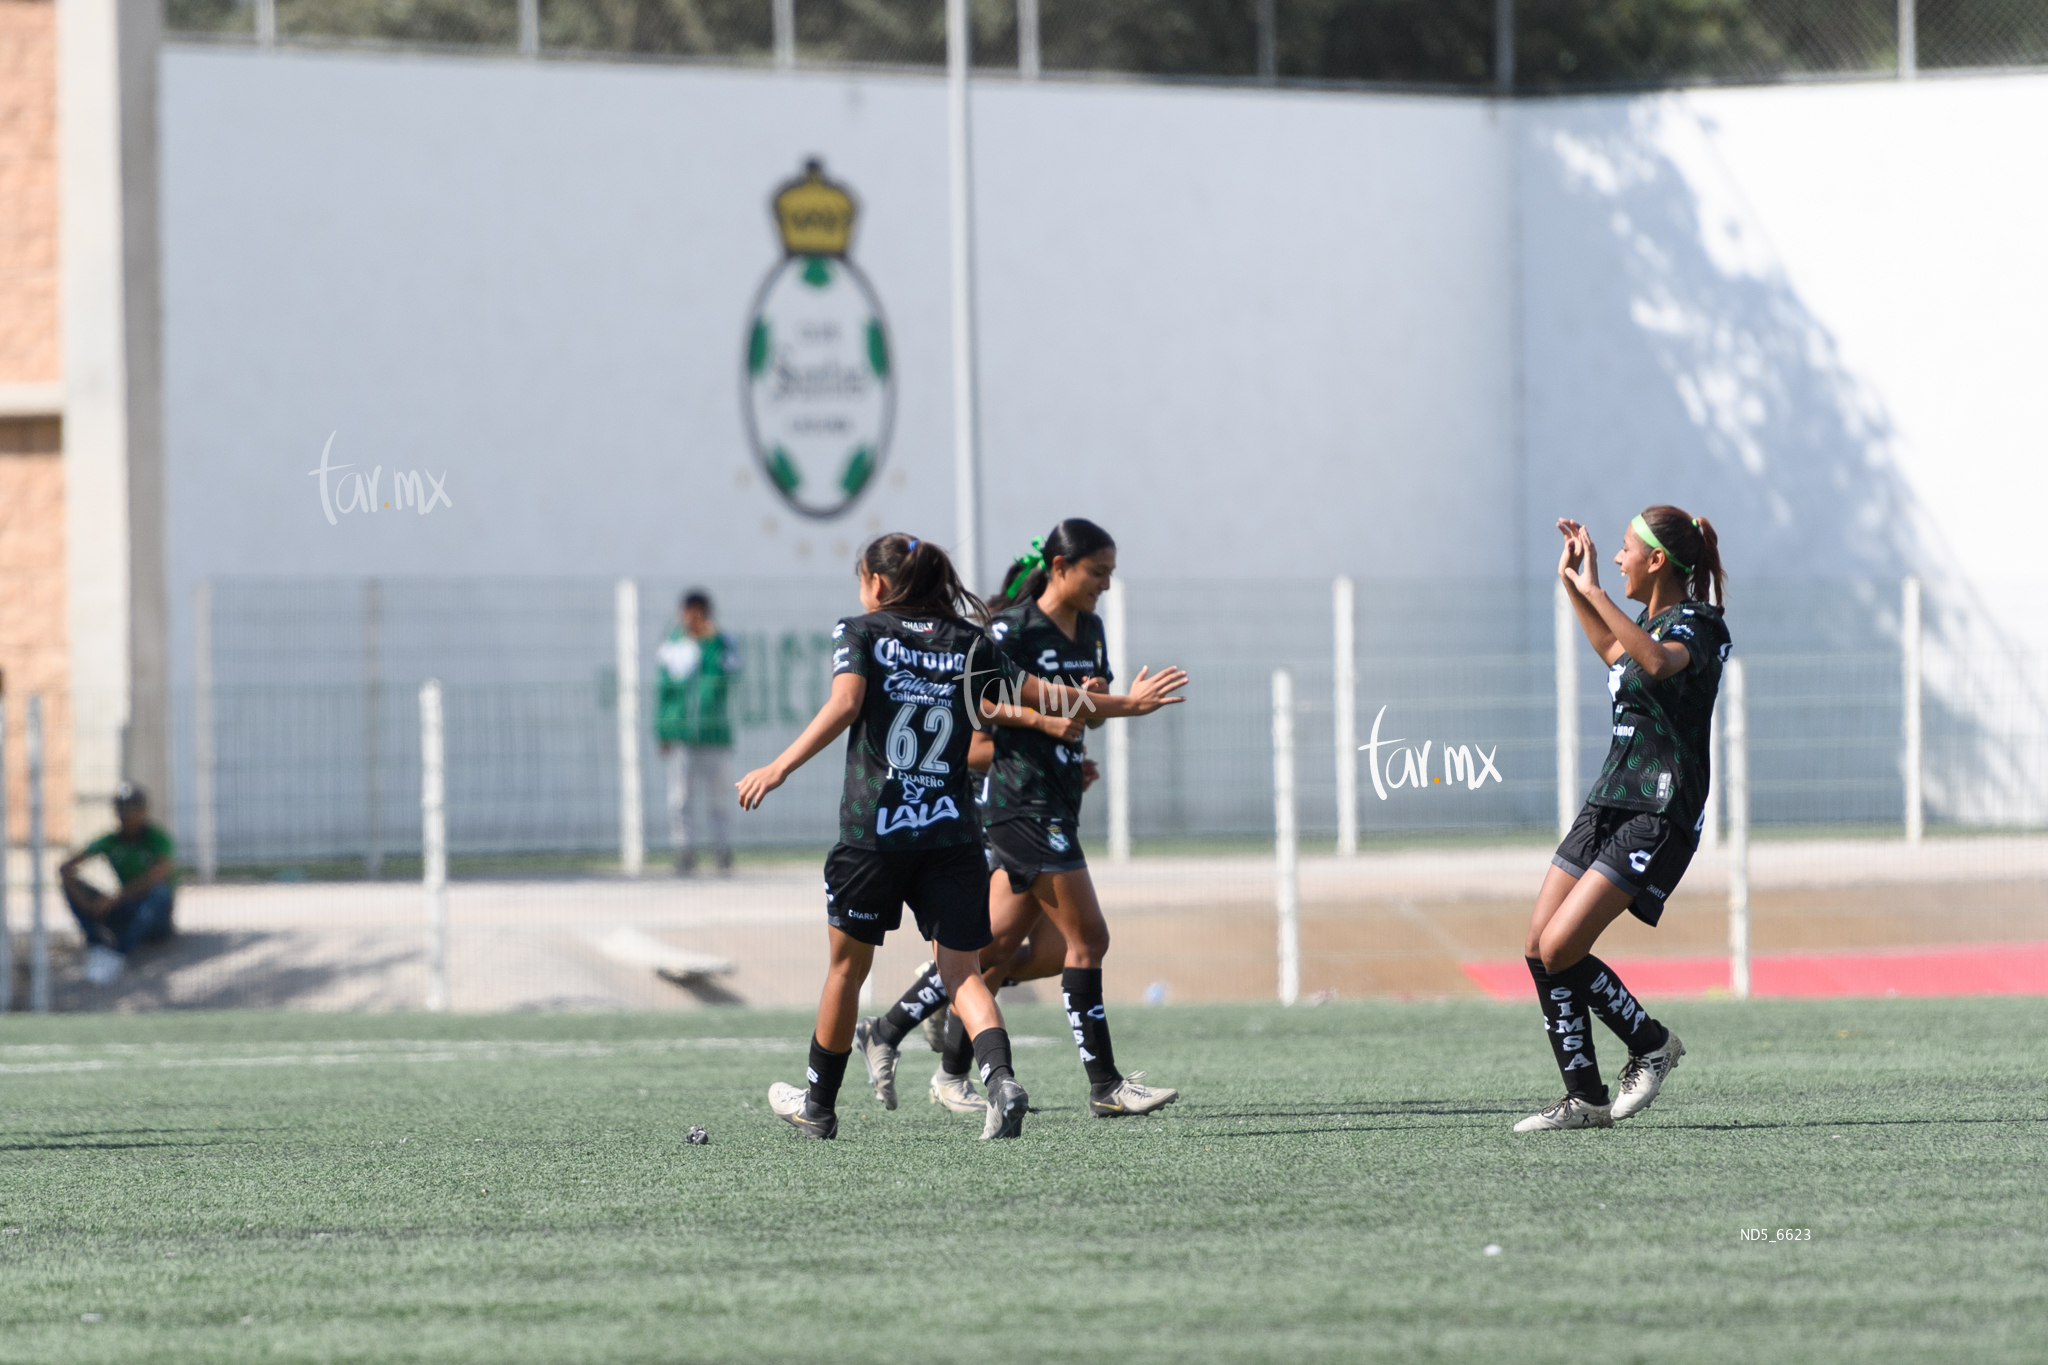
<point>140,912</point>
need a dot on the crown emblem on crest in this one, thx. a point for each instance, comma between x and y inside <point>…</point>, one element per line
<point>814,215</point>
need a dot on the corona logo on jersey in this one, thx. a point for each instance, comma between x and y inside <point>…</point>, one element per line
<point>820,392</point>
<point>1407,765</point>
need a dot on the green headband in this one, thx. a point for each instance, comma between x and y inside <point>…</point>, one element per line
<point>1649,538</point>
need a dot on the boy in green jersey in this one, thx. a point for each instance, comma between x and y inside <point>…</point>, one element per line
<point>140,852</point>
<point>695,667</point>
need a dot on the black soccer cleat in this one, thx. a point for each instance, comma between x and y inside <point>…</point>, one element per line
<point>1007,1105</point>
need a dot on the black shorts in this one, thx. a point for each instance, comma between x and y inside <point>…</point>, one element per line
<point>946,888</point>
<point>1639,851</point>
<point>1027,845</point>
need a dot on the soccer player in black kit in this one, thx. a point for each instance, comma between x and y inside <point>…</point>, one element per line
<point>1049,629</point>
<point>1637,832</point>
<point>912,679</point>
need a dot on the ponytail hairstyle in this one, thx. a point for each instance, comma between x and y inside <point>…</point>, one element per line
<point>922,580</point>
<point>1690,541</point>
<point>1072,540</point>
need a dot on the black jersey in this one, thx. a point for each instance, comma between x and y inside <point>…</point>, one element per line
<point>907,780</point>
<point>1036,775</point>
<point>1658,760</point>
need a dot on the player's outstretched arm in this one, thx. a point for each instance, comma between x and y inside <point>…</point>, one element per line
<point>1149,691</point>
<point>838,712</point>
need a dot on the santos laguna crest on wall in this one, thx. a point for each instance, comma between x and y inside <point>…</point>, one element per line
<point>820,393</point>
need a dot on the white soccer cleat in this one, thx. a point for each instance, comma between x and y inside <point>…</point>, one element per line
<point>956,1093</point>
<point>1569,1112</point>
<point>103,965</point>
<point>792,1104</point>
<point>934,1027</point>
<point>1643,1077</point>
<point>1127,1097</point>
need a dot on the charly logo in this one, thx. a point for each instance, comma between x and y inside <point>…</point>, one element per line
<point>820,387</point>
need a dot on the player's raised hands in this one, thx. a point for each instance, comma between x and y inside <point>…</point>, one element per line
<point>1578,564</point>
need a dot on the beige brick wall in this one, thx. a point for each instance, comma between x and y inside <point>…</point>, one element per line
<point>28,191</point>
<point>33,656</point>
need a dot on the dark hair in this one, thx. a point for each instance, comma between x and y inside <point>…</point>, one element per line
<point>698,598</point>
<point>922,580</point>
<point>1072,540</point>
<point>1691,540</point>
<point>128,796</point>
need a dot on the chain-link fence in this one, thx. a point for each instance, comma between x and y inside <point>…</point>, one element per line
<point>1878,827</point>
<point>1555,44</point>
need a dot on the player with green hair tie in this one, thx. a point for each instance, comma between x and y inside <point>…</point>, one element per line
<point>1041,888</point>
<point>1636,834</point>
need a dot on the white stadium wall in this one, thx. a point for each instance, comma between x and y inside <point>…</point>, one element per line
<point>1256,333</point>
<point>1269,334</point>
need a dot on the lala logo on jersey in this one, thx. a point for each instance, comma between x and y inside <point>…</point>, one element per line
<point>919,816</point>
<point>820,393</point>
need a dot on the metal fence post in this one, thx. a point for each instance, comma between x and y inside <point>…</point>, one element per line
<point>785,35</point>
<point>373,727</point>
<point>632,838</point>
<point>1342,603</point>
<point>1911,656</point>
<point>1735,734</point>
<point>6,877</point>
<point>1717,782</point>
<point>205,830</point>
<point>1565,628</point>
<point>529,28</point>
<point>1027,39</point>
<point>434,842</point>
<point>966,393</point>
<point>1115,627</point>
<point>266,23</point>
<point>1286,888</point>
<point>38,940</point>
<point>1269,42</point>
<point>1909,41</point>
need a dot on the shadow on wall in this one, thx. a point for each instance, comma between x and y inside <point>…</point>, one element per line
<point>1668,358</point>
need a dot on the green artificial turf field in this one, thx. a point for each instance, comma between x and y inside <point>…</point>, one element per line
<point>403,1188</point>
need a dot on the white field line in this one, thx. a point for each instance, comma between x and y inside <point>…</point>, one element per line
<point>60,1057</point>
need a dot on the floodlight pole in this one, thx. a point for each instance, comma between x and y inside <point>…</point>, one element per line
<point>1909,41</point>
<point>966,424</point>
<point>434,842</point>
<point>1504,46</point>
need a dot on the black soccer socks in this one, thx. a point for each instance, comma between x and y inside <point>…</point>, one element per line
<point>992,1052</point>
<point>926,994</point>
<point>1565,1010</point>
<point>825,1072</point>
<point>958,1053</point>
<point>1081,991</point>
<point>1620,1011</point>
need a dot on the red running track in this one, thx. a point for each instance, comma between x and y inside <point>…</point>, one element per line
<point>1979,969</point>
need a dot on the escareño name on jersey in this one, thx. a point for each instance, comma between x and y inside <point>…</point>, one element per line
<point>1035,775</point>
<point>1658,760</point>
<point>907,780</point>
